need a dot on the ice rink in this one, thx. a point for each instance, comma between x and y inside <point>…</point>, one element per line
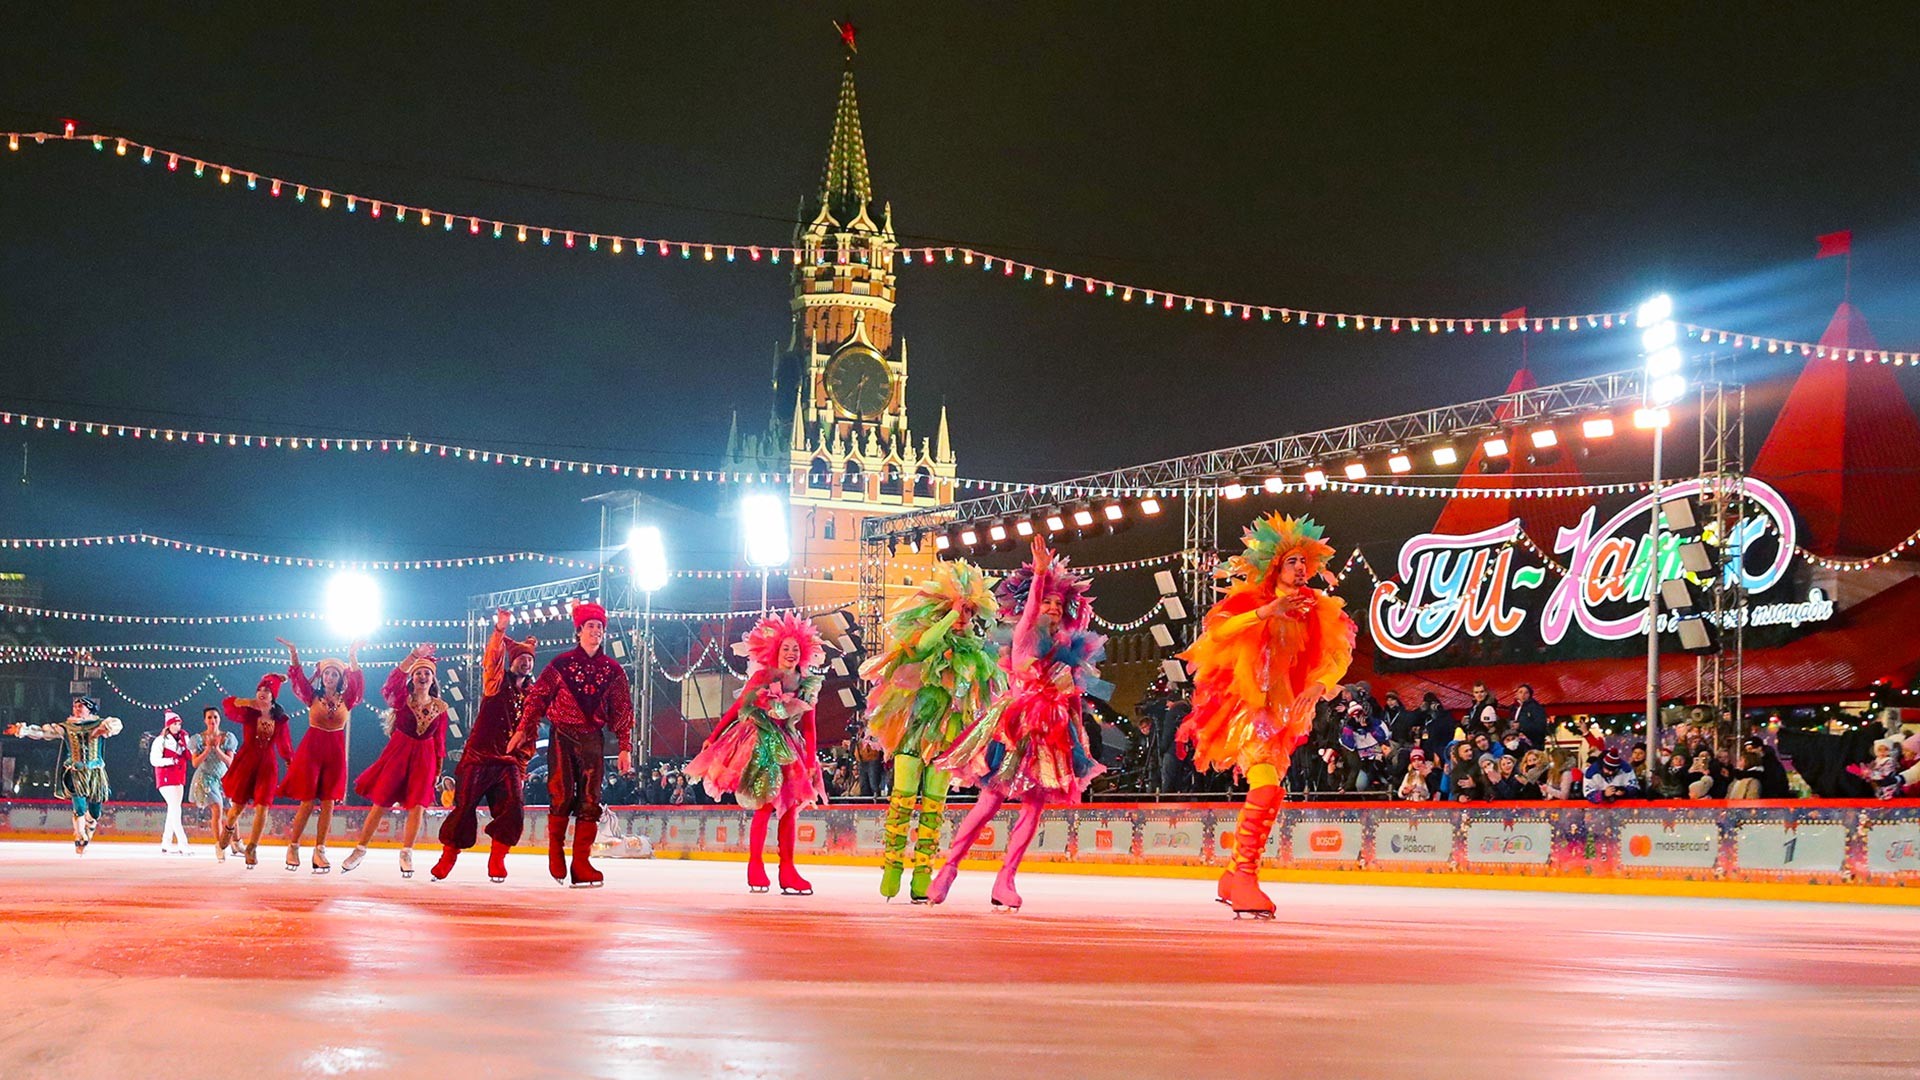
<point>126,963</point>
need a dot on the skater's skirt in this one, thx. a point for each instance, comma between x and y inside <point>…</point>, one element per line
<point>319,768</point>
<point>402,776</point>
<point>251,777</point>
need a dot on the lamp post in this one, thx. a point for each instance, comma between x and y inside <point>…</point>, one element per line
<point>763,528</point>
<point>1665,384</point>
<point>647,557</point>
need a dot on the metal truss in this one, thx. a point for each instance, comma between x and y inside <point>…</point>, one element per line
<point>1200,544</point>
<point>1177,476</point>
<point>1723,456</point>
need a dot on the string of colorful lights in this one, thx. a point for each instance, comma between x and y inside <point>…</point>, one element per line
<point>1075,282</point>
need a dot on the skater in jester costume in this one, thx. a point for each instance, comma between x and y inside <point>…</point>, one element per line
<point>1269,651</point>
<point>938,673</point>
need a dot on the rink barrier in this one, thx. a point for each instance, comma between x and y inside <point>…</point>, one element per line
<point>1792,841</point>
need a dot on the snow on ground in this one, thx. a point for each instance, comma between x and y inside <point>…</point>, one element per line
<point>127,963</point>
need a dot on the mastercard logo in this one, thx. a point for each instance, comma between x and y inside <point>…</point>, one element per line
<point>1640,845</point>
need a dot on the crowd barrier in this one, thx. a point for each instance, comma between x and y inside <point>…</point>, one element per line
<point>1796,842</point>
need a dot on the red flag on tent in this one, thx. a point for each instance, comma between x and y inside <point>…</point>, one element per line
<point>1834,243</point>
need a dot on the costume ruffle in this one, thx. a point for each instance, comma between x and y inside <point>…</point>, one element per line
<point>1256,681</point>
<point>760,756</point>
<point>928,687</point>
<point>1030,740</point>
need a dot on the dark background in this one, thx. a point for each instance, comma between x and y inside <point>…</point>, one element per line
<point>1447,161</point>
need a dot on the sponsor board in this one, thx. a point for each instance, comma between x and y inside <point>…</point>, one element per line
<point>1677,845</point>
<point>1104,836</point>
<point>1893,848</point>
<point>723,832</point>
<point>1180,837</point>
<point>1814,847</point>
<point>810,833</point>
<point>869,834</point>
<point>1052,836</point>
<point>1403,841</point>
<point>1509,841</point>
<point>682,831</point>
<point>1323,840</point>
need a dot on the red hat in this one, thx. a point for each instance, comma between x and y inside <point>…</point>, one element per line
<point>584,613</point>
<point>517,649</point>
<point>272,680</point>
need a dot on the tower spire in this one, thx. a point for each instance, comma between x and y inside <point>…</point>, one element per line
<point>845,188</point>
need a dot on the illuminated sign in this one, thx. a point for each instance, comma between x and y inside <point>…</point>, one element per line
<point>1454,585</point>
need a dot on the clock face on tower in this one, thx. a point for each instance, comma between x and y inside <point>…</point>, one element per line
<point>859,383</point>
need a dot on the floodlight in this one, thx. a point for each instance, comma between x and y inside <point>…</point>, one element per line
<point>1356,470</point>
<point>1667,390</point>
<point>353,604</point>
<point>1149,506</point>
<point>1315,478</point>
<point>647,552</point>
<point>1444,455</point>
<point>1600,427</point>
<point>1655,309</point>
<point>1544,438</point>
<point>1495,447</point>
<point>1399,463</point>
<point>763,525</point>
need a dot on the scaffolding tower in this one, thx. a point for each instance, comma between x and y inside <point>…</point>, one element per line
<point>1723,470</point>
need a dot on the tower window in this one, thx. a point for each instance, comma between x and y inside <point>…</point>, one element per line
<point>853,478</point>
<point>827,529</point>
<point>819,474</point>
<point>890,480</point>
<point>922,483</point>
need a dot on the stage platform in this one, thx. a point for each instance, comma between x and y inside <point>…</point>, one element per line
<point>125,962</point>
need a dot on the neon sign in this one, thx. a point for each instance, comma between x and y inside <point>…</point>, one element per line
<point>1463,584</point>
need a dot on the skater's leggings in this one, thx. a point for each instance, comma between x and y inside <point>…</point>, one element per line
<point>85,807</point>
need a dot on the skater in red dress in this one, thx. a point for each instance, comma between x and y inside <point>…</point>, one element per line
<point>486,771</point>
<point>317,776</point>
<point>251,779</point>
<point>765,749</point>
<point>581,694</point>
<point>404,774</point>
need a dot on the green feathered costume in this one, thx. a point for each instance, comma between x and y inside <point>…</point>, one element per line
<point>938,671</point>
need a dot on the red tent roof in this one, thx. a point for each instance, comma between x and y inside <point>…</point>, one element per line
<point>1542,518</point>
<point>1876,646</point>
<point>1845,450</point>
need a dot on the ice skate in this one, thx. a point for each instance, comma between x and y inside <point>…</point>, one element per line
<point>406,862</point>
<point>293,857</point>
<point>320,863</point>
<point>353,858</point>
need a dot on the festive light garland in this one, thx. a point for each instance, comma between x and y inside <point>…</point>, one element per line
<point>475,225</point>
<point>430,449</point>
<point>1130,624</point>
<point>430,624</point>
<point>931,256</point>
<point>188,546</point>
<point>168,543</point>
<point>155,705</point>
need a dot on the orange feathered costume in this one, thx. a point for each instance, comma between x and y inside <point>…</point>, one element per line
<point>1256,681</point>
<point>1257,677</point>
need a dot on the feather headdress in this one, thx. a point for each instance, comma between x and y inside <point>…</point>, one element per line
<point>1268,542</point>
<point>950,586</point>
<point>1076,606</point>
<point>762,644</point>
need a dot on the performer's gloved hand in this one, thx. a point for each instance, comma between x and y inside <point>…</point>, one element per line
<point>624,763</point>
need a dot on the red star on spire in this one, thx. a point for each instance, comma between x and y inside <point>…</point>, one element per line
<point>848,32</point>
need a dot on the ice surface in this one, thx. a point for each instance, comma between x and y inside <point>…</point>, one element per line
<point>127,963</point>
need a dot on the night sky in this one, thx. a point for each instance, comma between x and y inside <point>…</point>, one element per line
<point>1385,159</point>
